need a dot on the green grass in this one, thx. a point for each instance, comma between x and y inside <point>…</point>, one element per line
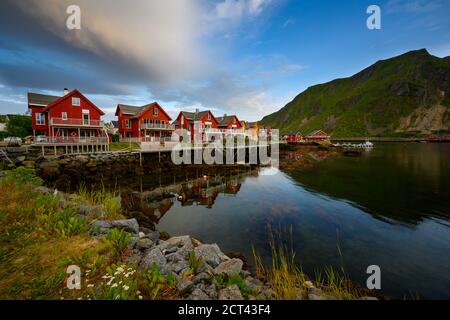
<point>124,146</point>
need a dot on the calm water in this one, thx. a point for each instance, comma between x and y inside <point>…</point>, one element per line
<point>390,207</point>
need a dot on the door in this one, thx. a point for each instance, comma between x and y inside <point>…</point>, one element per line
<point>86,119</point>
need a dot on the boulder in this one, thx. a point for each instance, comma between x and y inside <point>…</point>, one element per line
<point>211,291</point>
<point>184,286</point>
<point>84,209</point>
<point>229,267</point>
<point>253,284</point>
<point>101,226</point>
<point>144,243</point>
<point>230,293</point>
<point>42,190</point>
<point>154,256</point>
<point>198,294</point>
<point>201,277</point>
<point>211,254</point>
<point>176,263</point>
<point>129,225</point>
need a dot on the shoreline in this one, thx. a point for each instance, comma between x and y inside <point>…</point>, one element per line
<point>197,270</point>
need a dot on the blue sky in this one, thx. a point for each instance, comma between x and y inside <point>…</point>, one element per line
<point>244,57</point>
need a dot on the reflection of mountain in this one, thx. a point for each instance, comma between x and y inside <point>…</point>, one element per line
<point>404,183</point>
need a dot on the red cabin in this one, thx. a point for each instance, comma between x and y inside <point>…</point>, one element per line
<point>188,120</point>
<point>317,135</point>
<point>292,137</point>
<point>67,118</point>
<point>229,122</point>
<point>150,122</point>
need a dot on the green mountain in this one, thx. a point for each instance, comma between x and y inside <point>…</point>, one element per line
<point>405,95</point>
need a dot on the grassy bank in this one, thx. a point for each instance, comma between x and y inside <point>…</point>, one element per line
<point>42,233</point>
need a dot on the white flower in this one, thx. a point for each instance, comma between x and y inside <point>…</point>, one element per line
<point>140,297</point>
<point>126,287</point>
<point>114,285</point>
<point>90,285</point>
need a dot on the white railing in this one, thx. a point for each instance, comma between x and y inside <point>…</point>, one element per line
<point>70,140</point>
<point>146,139</point>
<point>164,126</point>
<point>76,122</point>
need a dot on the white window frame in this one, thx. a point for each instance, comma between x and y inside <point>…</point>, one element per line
<point>64,115</point>
<point>88,119</point>
<point>40,119</point>
<point>208,116</point>
<point>155,111</point>
<point>76,101</point>
<point>128,123</point>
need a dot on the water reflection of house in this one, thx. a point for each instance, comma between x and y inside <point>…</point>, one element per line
<point>232,187</point>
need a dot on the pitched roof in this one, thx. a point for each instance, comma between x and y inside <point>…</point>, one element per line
<point>70,94</point>
<point>136,111</point>
<point>193,116</point>
<point>41,99</point>
<point>225,120</point>
<point>115,123</point>
<point>315,132</point>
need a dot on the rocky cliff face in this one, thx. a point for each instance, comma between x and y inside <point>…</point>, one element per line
<point>407,94</point>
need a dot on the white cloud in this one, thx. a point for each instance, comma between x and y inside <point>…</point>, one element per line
<point>235,9</point>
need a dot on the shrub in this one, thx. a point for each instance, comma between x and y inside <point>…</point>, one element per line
<point>24,175</point>
<point>118,240</point>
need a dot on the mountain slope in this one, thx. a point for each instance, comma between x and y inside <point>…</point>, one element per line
<point>409,93</point>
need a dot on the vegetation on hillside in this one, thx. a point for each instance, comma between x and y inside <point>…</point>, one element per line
<point>405,95</point>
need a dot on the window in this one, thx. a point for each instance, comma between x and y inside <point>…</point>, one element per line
<point>208,116</point>
<point>163,123</point>
<point>86,119</point>
<point>155,112</point>
<point>128,123</point>
<point>64,115</point>
<point>40,119</point>
<point>75,101</point>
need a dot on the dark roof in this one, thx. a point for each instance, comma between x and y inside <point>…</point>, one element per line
<point>115,124</point>
<point>316,132</point>
<point>194,116</point>
<point>225,120</point>
<point>40,99</point>
<point>133,110</point>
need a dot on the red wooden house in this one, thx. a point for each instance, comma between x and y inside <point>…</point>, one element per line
<point>71,117</point>
<point>317,135</point>
<point>190,120</point>
<point>148,123</point>
<point>229,122</point>
<point>292,137</point>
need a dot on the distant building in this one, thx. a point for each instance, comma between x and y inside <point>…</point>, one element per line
<point>229,122</point>
<point>149,122</point>
<point>202,120</point>
<point>3,123</point>
<point>292,137</point>
<point>317,135</point>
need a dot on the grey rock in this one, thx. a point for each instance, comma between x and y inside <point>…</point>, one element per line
<point>101,226</point>
<point>184,286</point>
<point>84,209</point>
<point>229,267</point>
<point>154,256</point>
<point>141,234</point>
<point>170,250</point>
<point>154,235</point>
<point>144,243</point>
<point>198,294</point>
<point>201,277</point>
<point>206,268</point>
<point>176,263</point>
<point>130,225</point>
<point>133,241</point>
<point>211,254</point>
<point>230,293</point>
<point>253,284</point>
<point>145,230</point>
<point>42,190</point>
<point>211,291</point>
<point>184,244</point>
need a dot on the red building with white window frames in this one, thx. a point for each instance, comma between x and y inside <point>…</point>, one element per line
<point>147,123</point>
<point>189,120</point>
<point>229,122</point>
<point>292,137</point>
<point>317,135</point>
<point>70,117</point>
